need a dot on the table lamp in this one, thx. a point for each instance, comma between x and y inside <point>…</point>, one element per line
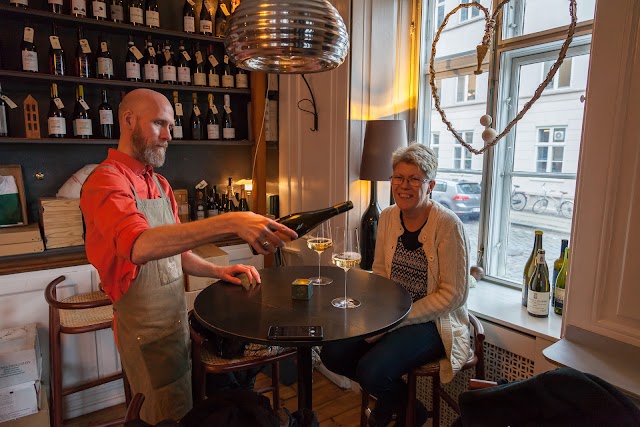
<point>381,139</point>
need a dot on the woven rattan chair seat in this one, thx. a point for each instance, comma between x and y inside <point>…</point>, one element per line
<point>209,358</point>
<point>87,316</point>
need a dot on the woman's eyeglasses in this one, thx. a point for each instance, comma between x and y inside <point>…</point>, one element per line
<point>413,181</point>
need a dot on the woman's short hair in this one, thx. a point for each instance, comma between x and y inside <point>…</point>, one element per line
<point>420,155</point>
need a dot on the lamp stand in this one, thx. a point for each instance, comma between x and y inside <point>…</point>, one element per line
<point>369,229</point>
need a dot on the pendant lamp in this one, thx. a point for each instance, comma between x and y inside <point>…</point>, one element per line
<point>287,36</point>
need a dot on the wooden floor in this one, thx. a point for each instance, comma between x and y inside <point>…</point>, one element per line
<point>333,405</point>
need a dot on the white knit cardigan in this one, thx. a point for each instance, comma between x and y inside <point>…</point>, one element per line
<point>445,243</point>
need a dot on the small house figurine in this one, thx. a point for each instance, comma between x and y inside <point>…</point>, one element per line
<point>31,118</point>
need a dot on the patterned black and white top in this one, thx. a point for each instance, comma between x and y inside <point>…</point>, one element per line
<point>409,263</point>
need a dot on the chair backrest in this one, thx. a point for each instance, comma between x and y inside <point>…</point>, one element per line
<point>478,344</point>
<point>51,298</point>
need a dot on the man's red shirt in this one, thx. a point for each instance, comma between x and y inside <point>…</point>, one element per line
<point>113,222</point>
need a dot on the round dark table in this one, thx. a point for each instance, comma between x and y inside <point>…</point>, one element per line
<point>229,309</point>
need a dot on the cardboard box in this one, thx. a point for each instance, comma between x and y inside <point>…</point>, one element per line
<point>182,199</point>
<point>190,298</point>
<point>39,419</point>
<point>20,356</point>
<point>20,240</point>
<point>213,254</point>
<point>19,400</point>
<point>61,221</point>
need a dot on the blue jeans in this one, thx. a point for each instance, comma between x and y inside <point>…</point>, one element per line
<point>378,367</point>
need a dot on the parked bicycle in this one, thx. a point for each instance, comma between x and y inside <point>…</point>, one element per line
<point>563,207</point>
<point>518,199</point>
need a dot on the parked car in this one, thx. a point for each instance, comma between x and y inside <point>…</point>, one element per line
<point>462,197</point>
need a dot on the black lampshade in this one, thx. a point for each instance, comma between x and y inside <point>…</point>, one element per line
<point>381,139</point>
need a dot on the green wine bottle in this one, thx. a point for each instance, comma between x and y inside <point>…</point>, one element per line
<point>561,284</point>
<point>539,289</point>
<point>557,265</point>
<point>530,266</point>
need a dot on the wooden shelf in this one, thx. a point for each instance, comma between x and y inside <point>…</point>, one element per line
<point>80,141</point>
<point>71,80</point>
<point>46,16</point>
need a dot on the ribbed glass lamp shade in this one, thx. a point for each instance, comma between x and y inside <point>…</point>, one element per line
<point>287,36</point>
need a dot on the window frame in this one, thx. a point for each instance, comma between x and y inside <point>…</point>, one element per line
<point>551,146</point>
<point>465,92</point>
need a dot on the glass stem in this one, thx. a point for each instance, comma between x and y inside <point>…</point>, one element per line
<point>319,259</point>
<point>346,303</point>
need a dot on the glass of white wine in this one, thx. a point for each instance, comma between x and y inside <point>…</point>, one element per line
<point>320,241</point>
<point>346,254</point>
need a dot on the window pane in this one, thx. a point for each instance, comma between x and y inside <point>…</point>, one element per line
<point>558,135</point>
<point>543,134</point>
<point>464,14</point>
<point>460,90</point>
<point>532,16</point>
<point>564,73</point>
<point>471,87</point>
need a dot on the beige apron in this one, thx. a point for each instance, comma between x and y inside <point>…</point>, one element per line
<point>152,329</point>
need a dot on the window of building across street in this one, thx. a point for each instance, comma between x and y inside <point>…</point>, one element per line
<point>539,157</point>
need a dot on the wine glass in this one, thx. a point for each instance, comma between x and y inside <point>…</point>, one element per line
<point>346,254</point>
<point>320,241</point>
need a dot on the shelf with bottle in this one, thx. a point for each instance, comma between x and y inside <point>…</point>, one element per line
<point>109,25</point>
<point>97,141</point>
<point>72,80</point>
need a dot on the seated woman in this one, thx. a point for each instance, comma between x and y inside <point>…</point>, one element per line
<point>422,246</point>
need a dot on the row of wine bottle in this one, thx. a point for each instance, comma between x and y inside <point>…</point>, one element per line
<point>538,291</point>
<point>160,65</point>
<point>82,123</point>
<point>144,13</point>
<point>208,202</point>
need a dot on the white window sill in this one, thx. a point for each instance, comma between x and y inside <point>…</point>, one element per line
<point>503,306</point>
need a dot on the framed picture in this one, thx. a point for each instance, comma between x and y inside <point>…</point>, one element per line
<point>13,206</point>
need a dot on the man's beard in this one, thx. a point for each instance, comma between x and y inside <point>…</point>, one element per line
<point>146,151</point>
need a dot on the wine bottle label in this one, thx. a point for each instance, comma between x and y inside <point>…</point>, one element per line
<point>199,59</point>
<point>29,61</point>
<point>223,8</point>
<point>167,55</point>
<point>229,133</point>
<point>213,61</point>
<point>189,24</point>
<point>151,72</point>
<point>106,117</point>
<point>9,101</point>
<point>3,121</point>
<point>191,2</point>
<point>213,131</point>
<point>58,103</point>
<point>79,7</point>
<point>205,26</point>
<point>214,109</point>
<point>226,59</point>
<point>227,81</point>
<point>136,52</point>
<point>117,12</point>
<point>82,127</point>
<point>538,303</point>
<point>103,47</point>
<point>196,110</point>
<point>84,104</point>
<point>22,2</point>
<point>178,107</point>
<point>55,42</point>
<point>132,70</point>
<point>214,80</point>
<point>57,126</point>
<point>28,34</point>
<point>60,2</point>
<point>199,79</point>
<point>135,15</point>
<point>152,51</point>
<point>558,294</point>
<point>84,46</point>
<point>99,9</point>
<point>153,18</point>
<point>227,109</point>
<point>177,132</point>
<point>184,74</point>
<point>186,55</point>
<point>242,81</point>
<point>105,66</point>
<point>168,73</point>
<point>212,212</point>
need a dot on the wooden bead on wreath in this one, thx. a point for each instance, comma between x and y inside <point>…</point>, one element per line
<point>490,136</point>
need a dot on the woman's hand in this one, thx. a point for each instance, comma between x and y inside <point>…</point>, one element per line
<point>230,274</point>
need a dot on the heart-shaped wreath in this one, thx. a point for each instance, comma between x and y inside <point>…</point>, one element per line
<point>489,135</point>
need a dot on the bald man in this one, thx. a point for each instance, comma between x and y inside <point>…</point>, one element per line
<point>136,242</point>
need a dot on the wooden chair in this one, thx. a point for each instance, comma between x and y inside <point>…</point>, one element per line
<point>77,314</point>
<point>205,361</point>
<point>432,370</point>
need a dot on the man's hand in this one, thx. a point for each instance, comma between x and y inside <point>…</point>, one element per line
<point>230,274</point>
<point>260,232</point>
